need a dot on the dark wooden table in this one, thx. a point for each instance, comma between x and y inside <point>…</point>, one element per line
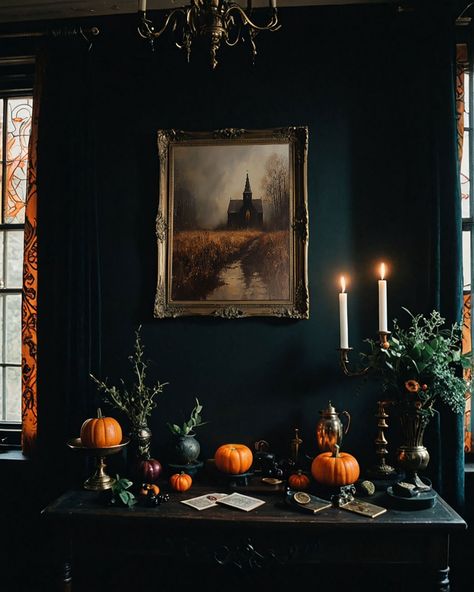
<point>273,532</point>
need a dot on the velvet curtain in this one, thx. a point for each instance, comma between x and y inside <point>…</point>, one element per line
<point>29,326</point>
<point>68,245</point>
<point>446,236</point>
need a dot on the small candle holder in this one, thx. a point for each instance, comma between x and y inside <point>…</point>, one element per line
<point>344,356</point>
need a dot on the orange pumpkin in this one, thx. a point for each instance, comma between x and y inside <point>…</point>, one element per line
<point>101,432</point>
<point>234,459</point>
<point>181,481</point>
<point>146,488</point>
<point>299,481</point>
<point>335,468</point>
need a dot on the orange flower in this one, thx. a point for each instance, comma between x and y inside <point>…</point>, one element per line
<point>412,386</point>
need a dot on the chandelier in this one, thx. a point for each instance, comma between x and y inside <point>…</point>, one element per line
<point>218,20</point>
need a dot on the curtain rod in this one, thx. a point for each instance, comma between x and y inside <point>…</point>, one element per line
<point>62,32</point>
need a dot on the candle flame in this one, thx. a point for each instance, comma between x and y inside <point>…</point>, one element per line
<point>382,271</point>
<point>343,283</point>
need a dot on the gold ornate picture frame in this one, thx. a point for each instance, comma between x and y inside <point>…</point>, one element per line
<point>232,223</point>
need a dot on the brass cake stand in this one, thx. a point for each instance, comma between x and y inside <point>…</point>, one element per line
<point>99,481</point>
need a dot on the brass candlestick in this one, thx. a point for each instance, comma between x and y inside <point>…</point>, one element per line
<point>344,356</point>
<point>382,470</point>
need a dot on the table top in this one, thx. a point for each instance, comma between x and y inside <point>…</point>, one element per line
<point>84,506</point>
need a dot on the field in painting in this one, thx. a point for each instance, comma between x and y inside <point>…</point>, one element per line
<point>230,265</point>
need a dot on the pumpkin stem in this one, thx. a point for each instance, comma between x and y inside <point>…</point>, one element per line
<point>335,452</point>
<point>99,413</point>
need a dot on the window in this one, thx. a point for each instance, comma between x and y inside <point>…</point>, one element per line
<point>465,97</point>
<point>15,126</point>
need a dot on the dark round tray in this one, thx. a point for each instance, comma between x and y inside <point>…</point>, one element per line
<point>425,499</point>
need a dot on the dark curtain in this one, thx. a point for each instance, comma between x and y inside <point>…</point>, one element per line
<point>68,247</point>
<point>446,238</point>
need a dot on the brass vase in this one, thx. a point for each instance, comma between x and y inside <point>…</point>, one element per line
<point>412,456</point>
<point>140,441</point>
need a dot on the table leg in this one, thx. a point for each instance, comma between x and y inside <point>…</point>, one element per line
<point>67,577</point>
<point>442,580</point>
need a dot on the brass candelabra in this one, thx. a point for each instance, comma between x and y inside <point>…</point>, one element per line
<point>344,356</point>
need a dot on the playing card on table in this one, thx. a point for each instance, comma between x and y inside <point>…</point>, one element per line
<point>203,502</point>
<point>241,502</point>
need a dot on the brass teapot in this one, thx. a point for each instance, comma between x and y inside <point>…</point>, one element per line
<point>329,429</point>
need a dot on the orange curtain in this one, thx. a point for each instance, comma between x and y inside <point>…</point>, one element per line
<point>29,356</point>
<point>461,68</point>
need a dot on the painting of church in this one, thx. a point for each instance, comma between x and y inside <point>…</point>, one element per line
<point>245,212</point>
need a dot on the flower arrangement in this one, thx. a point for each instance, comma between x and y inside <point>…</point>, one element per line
<point>422,363</point>
<point>137,401</point>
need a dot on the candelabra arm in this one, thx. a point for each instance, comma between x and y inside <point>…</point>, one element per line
<point>344,361</point>
<point>146,30</point>
<point>344,356</point>
<point>272,25</point>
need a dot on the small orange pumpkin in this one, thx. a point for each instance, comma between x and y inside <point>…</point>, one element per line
<point>101,432</point>
<point>299,481</point>
<point>181,481</point>
<point>335,468</point>
<point>234,459</point>
<point>146,488</point>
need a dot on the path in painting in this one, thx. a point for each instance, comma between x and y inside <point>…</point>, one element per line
<point>237,282</point>
<point>235,286</point>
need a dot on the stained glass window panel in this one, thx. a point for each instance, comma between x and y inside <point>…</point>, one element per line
<point>14,251</point>
<point>466,347</point>
<point>467,83</point>
<point>2,243</point>
<point>465,178</point>
<point>18,133</point>
<point>2,329</point>
<point>13,392</point>
<point>466,258</point>
<point>13,328</point>
<point>1,134</point>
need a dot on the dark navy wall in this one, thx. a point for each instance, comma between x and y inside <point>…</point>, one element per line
<point>353,76</point>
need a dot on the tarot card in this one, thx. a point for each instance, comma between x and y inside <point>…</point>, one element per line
<point>203,502</point>
<point>364,508</point>
<point>241,501</point>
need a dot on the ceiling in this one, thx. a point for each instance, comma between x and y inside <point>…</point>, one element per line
<point>31,10</point>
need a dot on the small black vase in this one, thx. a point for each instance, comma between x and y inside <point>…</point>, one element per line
<point>186,449</point>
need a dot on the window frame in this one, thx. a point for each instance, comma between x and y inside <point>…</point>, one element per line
<point>16,81</point>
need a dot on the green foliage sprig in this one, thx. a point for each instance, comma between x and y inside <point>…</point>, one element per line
<point>423,362</point>
<point>137,401</point>
<point>120,493</point>
<point>194,421</point>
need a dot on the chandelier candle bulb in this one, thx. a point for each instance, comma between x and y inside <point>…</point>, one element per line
<point>383,325</point>
<point>344,327</point>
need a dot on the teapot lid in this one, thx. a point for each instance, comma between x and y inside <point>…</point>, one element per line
<point>330,410</point>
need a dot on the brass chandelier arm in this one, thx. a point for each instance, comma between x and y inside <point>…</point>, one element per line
<point>272,25</point>
<point>146,30</point>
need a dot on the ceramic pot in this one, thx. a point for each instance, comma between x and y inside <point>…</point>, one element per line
<point>186,449</point>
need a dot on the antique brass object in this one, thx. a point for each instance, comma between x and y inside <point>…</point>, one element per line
<point>329,428</point>
<point>218,21</point>
<point>99,481</point>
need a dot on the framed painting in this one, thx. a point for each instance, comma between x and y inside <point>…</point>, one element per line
<point>232,223</point>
